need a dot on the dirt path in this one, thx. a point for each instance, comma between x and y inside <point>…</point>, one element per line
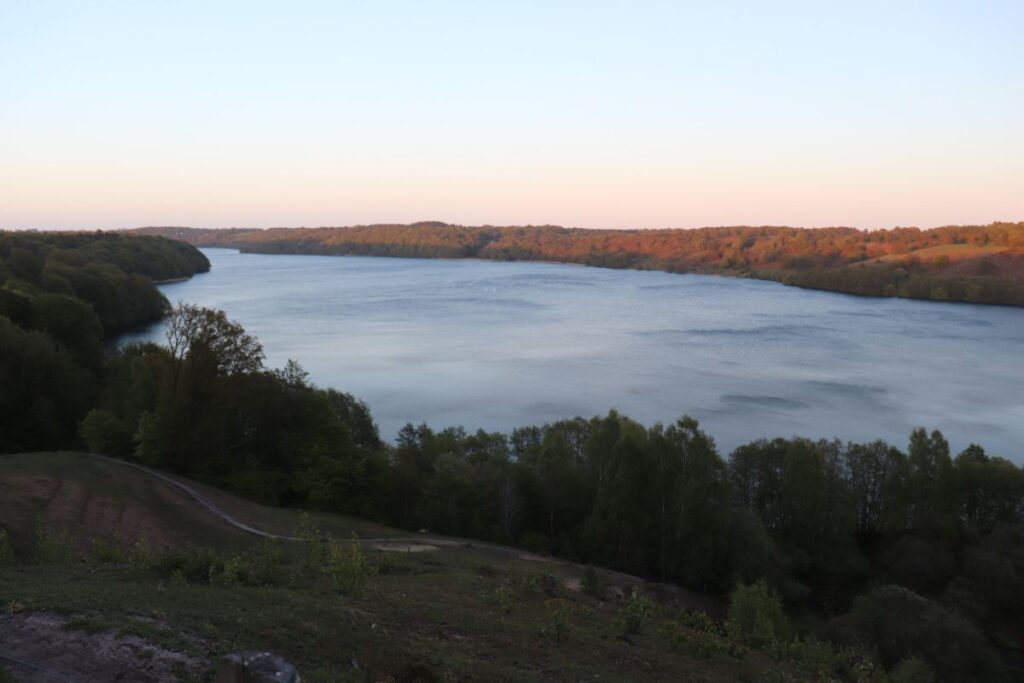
<point>199,498</point>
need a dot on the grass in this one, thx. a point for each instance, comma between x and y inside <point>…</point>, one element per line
<point>93,498</point>
<point>459,612</point>
<point>431,616</point>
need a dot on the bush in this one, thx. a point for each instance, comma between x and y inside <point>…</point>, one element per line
<point>55,548</point>
<point>700,621</point>
<point>636,612</point>
<point>703,644</point>
<point>315,548</point>
<point>756,618</point>
<point>104,551</point>
<point>104,433</point>
<point>557,622</point>
<point>189,566</point>
<point>349,567</point>
<point>503,598</point>
<point>228,573</point>
<point>139,557</point>
<point>816,659</point>
<point>903,625</point>
<point>257,568</point>
<point>263,563</point>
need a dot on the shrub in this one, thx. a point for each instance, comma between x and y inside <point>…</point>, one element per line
<point>263,563</point>
<point>349,567</point>
<point>103,432</point>
<point>315,548</point>
<point>814,658</point>
<point>139,557</point>
<point>503,598</point>
<point>104,551</point>
<point>902,625</point>
<point>55,548</point>
<point>756,618</point>
<point>256,568</point>
<point>189,566</point>
<point>700,621</point>
<point>637,611</point>
<point>703,644</point>
<point>228,573</point>
<point>557,621</point>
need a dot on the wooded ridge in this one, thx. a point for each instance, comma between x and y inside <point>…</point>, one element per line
<point>972,263</point>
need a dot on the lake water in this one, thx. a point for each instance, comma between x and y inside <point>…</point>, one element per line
<point>498,345</point>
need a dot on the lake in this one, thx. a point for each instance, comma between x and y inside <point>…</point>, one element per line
<point>497,345</point>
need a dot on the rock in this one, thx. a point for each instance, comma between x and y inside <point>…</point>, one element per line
<point>256,667</point>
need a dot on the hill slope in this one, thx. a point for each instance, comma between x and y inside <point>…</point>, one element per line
<point>436,607</point>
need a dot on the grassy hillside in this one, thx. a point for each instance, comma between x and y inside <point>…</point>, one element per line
<point>438,609</point>
<point>119,573</point>
<point>977,263</point>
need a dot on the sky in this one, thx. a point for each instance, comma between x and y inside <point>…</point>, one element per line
<point>635,114</point>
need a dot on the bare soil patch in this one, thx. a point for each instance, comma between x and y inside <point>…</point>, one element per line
<point>39,648</point>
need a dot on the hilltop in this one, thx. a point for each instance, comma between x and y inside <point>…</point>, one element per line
<point>977,263</point>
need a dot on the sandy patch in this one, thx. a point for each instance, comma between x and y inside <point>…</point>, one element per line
<point>573,584</point>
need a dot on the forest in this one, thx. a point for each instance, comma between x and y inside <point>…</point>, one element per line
<point>975,264</point>
<point>62,296</point>
<point>912,550</point>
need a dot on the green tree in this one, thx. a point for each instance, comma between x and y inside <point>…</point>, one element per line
<point>756,617</point>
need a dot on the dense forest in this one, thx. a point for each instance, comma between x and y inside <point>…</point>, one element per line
<point>979,264</point>
<point>62,295</point>
<point>913,552</point>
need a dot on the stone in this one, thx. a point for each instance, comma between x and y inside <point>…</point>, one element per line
<point>256,667</point>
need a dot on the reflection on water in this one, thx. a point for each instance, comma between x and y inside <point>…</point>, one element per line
<point>498,345</point>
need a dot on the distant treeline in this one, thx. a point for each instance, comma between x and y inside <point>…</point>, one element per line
<point>979,264</point>
<point>61,296</point>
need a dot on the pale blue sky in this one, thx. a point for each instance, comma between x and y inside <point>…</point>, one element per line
<point>597,114</point>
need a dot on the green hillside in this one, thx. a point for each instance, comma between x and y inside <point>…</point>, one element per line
<point>438,609</point>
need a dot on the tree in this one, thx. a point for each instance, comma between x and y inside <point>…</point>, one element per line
<point>902,624</point>
<point>207,338</point>
<point>103,433</point>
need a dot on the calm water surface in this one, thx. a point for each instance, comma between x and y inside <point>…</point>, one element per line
<point>499,345</point>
